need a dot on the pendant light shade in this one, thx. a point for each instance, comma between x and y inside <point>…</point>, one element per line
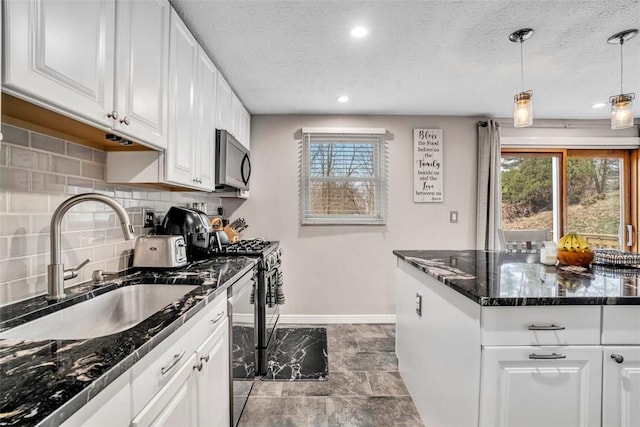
<point>622,105</point>
<point>522,103</point>
<point>523,110</point>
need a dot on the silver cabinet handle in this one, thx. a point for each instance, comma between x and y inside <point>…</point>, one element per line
<point>176,359</point>
<point>629,235</point>
<point>550,327</point>
<point>618,358</point>
<point>205,357</point>
<point>218,317</point>
<point>198,366</point>
<point>547,356</point>
<point>125,121</point>
<point>113,115</point>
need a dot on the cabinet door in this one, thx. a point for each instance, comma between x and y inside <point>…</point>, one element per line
<point>142,67</point>
<point>183,60</point>
<point>246,128</point>
<point>175,404</point>
<point>60,54</point>
<point>621,386</point>
<point>206,128</point>
<point>213,379</point>
<point>223,104</point>
<point>521,388</point>
<point>236,117</point>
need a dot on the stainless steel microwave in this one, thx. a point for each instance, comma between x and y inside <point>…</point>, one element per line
<point>233,166</point>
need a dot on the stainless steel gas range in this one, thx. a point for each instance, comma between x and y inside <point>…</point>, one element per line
<point>257,310</point>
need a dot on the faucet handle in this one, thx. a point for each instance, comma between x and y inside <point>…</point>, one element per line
<point>70,273</point>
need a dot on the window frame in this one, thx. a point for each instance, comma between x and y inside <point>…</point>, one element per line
<point>631,190</point>
<point>379,178</point>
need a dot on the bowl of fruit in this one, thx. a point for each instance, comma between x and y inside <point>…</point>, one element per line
<point>574,249</point>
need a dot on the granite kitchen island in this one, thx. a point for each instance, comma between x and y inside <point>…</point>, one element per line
<point>508,341</point>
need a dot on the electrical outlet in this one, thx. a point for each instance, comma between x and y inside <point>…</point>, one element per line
<point>453,217</point>
<point>148,217</point>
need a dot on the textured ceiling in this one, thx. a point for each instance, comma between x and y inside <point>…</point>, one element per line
<point>420,57</point>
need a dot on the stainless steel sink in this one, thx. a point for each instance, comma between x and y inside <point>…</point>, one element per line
<point>106,314</point>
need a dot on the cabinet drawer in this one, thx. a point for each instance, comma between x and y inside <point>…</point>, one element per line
<point>621,324</point>
<point>549,325</point>
<point>155,369</point>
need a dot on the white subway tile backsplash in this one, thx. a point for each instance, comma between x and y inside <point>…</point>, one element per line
<point>93,170</point>
<point>79,151</point>
<point>47,143</point>
<point>39,223</point>
<point>4,154</point>
<point>14,269</point>
<point>3,248</point>
<point>99,156</point>
<point>21,246</point>
<point>21,289</point>
<point>65,165</point>
<point>104,252</point>
<point>14,179</point>
<point>14,135</point>
<point>38,173</point>
<point>47,183</point>
<point>14,224</point>
<point>28,202</point>
<point>25,158</point>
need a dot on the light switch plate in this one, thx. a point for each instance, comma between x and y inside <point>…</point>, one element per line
<point>453,217</point>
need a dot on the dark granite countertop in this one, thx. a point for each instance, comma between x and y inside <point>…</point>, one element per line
<point>517,279</point>
<point>47,381</point>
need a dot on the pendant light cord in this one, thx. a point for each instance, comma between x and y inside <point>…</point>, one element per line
<point>621,64</point>
<point>521,64</point>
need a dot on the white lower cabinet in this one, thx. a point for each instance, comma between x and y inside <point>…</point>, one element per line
<point>213,399</point>
<point>621,386</point>
<point>175,404</point>
<point>541,386</point>
<point>111,407</point>
<point>540,365</point>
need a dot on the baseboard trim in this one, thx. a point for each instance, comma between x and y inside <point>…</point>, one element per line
<point>315,319</point>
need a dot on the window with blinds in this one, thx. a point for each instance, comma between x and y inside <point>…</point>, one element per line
<point>343,178</point>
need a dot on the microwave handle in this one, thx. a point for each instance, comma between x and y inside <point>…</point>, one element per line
<point>245,180</point>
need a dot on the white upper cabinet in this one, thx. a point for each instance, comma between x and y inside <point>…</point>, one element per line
<point>102,62</point>
<point>180,154</point>
<point>245,128</point>
<point>142,67</point>
<point>205,149</point>
<point>223,105</point>
<point>60,54</point>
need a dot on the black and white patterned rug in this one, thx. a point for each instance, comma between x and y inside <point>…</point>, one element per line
<point>298,354</point>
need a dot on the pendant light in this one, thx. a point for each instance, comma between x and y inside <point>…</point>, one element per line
<point>523,107</point>
<point>622,105</point>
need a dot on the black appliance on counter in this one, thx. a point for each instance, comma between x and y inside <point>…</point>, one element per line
<point>262,297</point>
<point>193,225</point>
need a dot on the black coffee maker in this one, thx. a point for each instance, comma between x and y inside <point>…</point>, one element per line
<point>193,225</point>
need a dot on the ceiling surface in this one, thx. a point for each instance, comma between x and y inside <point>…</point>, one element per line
<point>419,57</point>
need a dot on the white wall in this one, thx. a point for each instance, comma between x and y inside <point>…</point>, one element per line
<point>350,270</point>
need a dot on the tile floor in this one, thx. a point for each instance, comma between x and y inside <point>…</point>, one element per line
<point>364,387</point>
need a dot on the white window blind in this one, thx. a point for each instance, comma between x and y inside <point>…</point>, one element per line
<point>343,177</point>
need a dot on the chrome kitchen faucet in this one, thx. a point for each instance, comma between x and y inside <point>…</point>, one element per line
<point>55,271</point>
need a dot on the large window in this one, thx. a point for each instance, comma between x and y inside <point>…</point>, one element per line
<point>582,191</point>
<point>343,177</point>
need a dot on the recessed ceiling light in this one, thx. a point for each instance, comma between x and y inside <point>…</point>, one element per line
<point>599,105</point>
<point>343,99</point>
<point>359,32</point>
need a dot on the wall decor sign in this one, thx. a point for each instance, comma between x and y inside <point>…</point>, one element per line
<point>427,165</point>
